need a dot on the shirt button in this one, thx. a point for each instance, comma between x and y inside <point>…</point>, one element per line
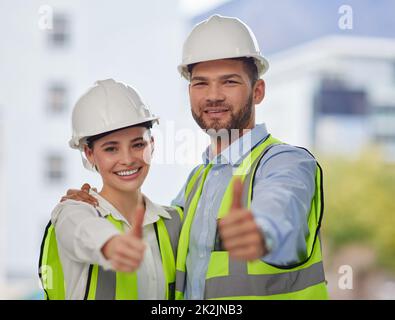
<point>216,173</point>
<point>201,255</point>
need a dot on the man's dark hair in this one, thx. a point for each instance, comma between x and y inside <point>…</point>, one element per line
<point>249,67</point>
<point>90,140</point>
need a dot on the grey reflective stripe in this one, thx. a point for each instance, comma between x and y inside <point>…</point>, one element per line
<point>106,284</point>
<point>173,227</point>
<point>180,275</point>
<point>244,285</point>
<point>180,280</point>
<point>192,193</point>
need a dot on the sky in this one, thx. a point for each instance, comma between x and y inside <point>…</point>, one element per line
<point>195,7</point>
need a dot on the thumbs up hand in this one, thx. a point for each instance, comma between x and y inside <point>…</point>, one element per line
<point>240,235</point>
<point>126,251</point>
<point>137,228</point>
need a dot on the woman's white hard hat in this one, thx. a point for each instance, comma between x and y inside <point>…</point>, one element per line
<point>107,106</point>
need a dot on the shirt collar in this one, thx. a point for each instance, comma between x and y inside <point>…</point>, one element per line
<point>238,149</point>
<point>152,210</point>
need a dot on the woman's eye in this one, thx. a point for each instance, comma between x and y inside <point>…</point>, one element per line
<point>109,149</point>
<point>139,145</point>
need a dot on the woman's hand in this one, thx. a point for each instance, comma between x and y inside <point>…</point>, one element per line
<point>126,251</point>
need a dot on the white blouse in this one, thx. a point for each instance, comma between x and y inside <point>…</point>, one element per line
<point>81,234</point>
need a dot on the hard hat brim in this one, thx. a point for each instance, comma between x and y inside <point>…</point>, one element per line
<point>78,142</point>
<point>261,62</point>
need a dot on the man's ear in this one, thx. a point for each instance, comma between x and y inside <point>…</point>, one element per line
<point>259,91</point>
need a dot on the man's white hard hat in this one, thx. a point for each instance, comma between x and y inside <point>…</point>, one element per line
<point>221,37</point>
<point>107,106</point>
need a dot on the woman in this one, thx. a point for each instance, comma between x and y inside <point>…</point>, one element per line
<point>125,247</point>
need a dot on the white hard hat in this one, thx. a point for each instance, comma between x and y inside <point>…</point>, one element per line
<point>107,106</point>
<point>221,37</point>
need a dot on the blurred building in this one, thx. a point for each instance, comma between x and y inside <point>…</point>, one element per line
<point>50,53</point>
<point>335,95</point>
<point>329,88</point>
<point>279,25</point>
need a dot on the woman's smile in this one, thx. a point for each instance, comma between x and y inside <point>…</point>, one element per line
<point>127,175</point>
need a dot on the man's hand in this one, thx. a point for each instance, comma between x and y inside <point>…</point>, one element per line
<point>126,251</point>
<point>81,195</point>
<point>240,234</point>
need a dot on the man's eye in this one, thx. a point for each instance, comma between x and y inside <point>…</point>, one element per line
<point>199,84</point>
<point>109,149</point>
<point>231,82</point>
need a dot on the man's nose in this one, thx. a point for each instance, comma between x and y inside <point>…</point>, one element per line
<point>214,93</point>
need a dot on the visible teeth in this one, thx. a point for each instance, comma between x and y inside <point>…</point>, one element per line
<point>216,111</point>
<point>126,173</point>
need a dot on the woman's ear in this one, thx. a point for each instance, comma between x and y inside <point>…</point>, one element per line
<point>152,145</point>
<point>89,155</point>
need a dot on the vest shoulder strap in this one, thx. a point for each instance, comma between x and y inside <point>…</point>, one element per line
<point>246,172</point>
<point>173,225</point>
<point>50,269</point>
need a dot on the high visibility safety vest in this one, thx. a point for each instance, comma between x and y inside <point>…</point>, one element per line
<point>233,279</point>
<point>111,285</point>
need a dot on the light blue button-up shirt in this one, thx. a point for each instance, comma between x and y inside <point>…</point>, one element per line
<point>283,189</point>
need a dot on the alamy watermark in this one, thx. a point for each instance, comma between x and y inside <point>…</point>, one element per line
<point>175,145</point>
<point>346,20</point>
<point>345,281</point>
<point>184,146</point>
<point>45,20</point>
<point>46,277</point>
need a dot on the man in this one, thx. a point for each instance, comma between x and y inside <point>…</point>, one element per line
<point>253,208</point>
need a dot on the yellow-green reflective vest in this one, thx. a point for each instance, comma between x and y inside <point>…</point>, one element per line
<point>232,279</point>
<point>110,285</point>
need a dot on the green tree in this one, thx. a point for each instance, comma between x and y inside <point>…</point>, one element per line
<point>360,204</point>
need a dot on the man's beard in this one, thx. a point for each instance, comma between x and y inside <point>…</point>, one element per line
<point>239,121</point>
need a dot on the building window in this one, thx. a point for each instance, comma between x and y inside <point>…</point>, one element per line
<point>393,68</point>
<point>55,168</point>
<point>56,98</point>
<point>59,36</point>
<point>335,98</point>
<point>384,123</point>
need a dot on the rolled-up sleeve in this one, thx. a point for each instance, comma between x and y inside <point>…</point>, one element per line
<point>283,190</point>
<point>81,233</point>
